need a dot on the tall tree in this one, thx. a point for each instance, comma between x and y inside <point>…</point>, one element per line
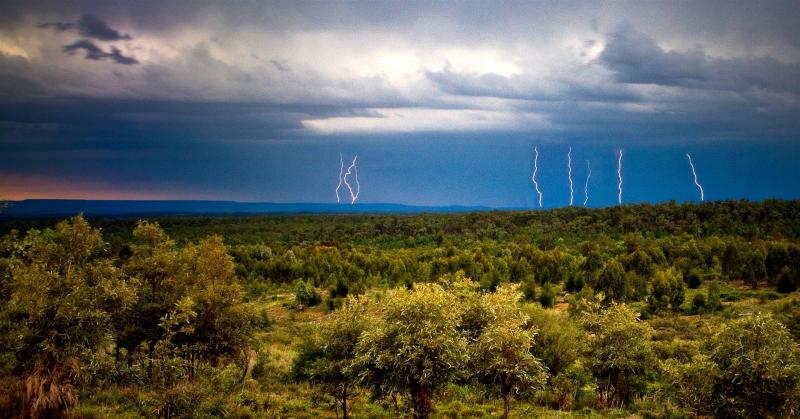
<point>501,356</point>
<point>414,347</point>
<point>55,318</point>
<point>335,350</point>
<point>619,349</point>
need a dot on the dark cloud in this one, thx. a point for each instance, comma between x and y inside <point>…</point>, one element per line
<point>58,26</point>
<point>515,87</point>
<point>93,52</point>
<point>635,58</point>
<point>117,57</point>
<point>94,27</point>
<point>89,26</point>
<point>281,65</point>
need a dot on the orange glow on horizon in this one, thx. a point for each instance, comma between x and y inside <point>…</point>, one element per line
<point>17,188</point>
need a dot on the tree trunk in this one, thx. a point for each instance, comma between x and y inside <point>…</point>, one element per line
<point>505,406</point>
<point>421,402</point>
<point>344,401</point>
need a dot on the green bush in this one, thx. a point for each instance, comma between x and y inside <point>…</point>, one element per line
<point>548,298</point>
<point>698,303</point>
<point>305,295</point>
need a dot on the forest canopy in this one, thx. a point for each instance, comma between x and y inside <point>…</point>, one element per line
<point>666,310</point>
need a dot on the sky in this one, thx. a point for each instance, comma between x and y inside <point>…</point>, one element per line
<point>442,102</point>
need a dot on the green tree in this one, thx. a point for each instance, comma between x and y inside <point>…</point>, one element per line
<point>692,383</point>
<point>335,350</point>
<point>787,280</point>
<point>667,291</point>
<point>414,347</point>
<point>223,323</point>
<point>714,300</point>
<point>55,320</point>
<point>501,355</point>
<point>759,366</point>
<point>305,295</point>
<point>559,345</point>
<point>547,298</point>
<point>611,282</point>
<point>619,349</point>
<point>153,270</point>
<point>750,368</point>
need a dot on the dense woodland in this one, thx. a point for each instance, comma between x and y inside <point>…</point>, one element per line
<point>657,310</point>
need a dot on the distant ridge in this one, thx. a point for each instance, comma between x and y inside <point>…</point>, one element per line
<point>64,207</point>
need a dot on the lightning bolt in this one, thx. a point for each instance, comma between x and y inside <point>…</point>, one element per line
<point>694,173</point>
<point>619,176</point>
<point>569,174</point>
<point>350,170</point>
<point>586,185</point>
<point>536,169</point>
<point>341,171</point>
<point>358,185</point>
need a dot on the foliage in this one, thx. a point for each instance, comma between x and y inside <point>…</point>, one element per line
<point>618,349</point>
<point>501,356</point>
<point>69,306</point>
<point>305,295</point>
<point>415,347</point>
<point>611,282</point>
<point>157,317</point>
<point>335,350</point>
<point>759,366</point>
<point>667,291</point>
<point>547,298</point>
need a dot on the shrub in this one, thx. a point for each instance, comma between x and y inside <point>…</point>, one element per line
<point>548,298</point>
<point>698,303</point>
<point>787,280</point>
<point>619,350</point>
<point>750,368</point>
<point>305,295</point>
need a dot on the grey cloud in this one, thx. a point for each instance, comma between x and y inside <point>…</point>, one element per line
<point>281,65</point>
<point>93,52</point>
<point>89,26</point>
<point>117,56</point>
<point>58,26</point>
<point>635,58</point>
<point>516,87</point>
<point>94,27</point>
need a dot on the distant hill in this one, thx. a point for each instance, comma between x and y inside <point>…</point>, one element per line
<point>63,207</point>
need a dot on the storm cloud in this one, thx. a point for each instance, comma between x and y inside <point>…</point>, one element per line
<point>93,52</point>
<point>89,26</point>
<point>95,79</point>
<point>634,57</point>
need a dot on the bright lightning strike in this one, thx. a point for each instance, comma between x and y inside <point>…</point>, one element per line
<point>536,169</point>
<point>586,185</point>
<point>619,176</point>
<point>358,185</point>
<point>694,173</point>
<point>569,174</point>
<point>341,172</point>
<point>350,170</point>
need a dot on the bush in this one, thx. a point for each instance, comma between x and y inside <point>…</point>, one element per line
<point>529,290</point>
<point>750,368</point>
<point>713,302</point>
<point>619,350</point>
<point>548,298</point>
<point>693,280</point>
<point>787,280</point>
<point>698,303</point>
<point>667,291</point>
<point>305,295</point>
